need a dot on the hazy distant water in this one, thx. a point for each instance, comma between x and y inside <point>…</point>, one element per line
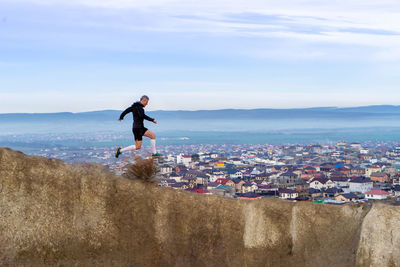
<point>200,131</point>
<point>225,125</point>
<point>272,125</point>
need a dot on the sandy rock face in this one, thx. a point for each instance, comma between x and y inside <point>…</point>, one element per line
<point>380,237</point>
<point>52,213</point>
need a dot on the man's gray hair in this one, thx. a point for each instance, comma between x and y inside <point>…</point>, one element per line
<point>144,97</point>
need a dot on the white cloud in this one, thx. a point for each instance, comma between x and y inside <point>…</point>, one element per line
<point>369,14</point>
<point>354,23</point>
<point>158,35</point>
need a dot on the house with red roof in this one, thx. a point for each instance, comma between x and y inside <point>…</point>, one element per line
<point>250,195</point>
<point>184,159</point>
<point>225,181</point>
<point>376,194</point>
<point>198,190</point>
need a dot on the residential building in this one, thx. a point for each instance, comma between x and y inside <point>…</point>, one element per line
<point>288,193</point>
<point>376,194</point>
<point>360,184</point>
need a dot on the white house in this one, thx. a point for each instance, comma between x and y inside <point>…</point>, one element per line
<point>255,172</point>
<point>340,181</point>
<point>360,184</point>
<point>216,175</point>
<point>235,161</point>
<point>184,159</point>
<point>213,155</point>
<point>376,194</point>
<point>357,146</point>
<point>234,173</point>
<point>165,169</point>
<point>202,179</point>
<point>288,193</point>
<point>321,183</point>
<point>249,187</point>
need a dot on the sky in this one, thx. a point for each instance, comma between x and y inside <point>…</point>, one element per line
<point>84,55</point>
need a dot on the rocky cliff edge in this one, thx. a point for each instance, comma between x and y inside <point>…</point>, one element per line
<point>54,214</point>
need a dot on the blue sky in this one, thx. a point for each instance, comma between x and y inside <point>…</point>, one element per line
<point>82,55</point>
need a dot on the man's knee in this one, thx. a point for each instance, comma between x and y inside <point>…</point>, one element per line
<point>150,135</point>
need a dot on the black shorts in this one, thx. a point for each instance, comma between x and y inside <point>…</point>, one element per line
<point>138,133</point>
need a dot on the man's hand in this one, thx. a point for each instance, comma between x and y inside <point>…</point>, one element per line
<point>154,121</point>
<point>120,119</point>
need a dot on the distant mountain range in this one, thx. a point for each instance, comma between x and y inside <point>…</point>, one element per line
<point>226,114</point>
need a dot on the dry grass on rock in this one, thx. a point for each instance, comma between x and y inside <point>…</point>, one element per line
<point>141,169</point>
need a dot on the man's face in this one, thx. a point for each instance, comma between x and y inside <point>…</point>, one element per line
<point>145,102</point>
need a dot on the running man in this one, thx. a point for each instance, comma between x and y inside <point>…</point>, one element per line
<point>138,128</point>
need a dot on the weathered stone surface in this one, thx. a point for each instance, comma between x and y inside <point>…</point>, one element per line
<point>53,214</point>
<point>380,237</point>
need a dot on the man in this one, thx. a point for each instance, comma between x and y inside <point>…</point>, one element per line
<point>138,128</point>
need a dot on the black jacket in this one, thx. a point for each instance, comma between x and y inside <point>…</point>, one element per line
<point>138,115</point>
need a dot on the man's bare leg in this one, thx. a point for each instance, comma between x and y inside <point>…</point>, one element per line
<point>138,144</point>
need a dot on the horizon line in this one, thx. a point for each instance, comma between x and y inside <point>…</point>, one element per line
<point>185,110</point>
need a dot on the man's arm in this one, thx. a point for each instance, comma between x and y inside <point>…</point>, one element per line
<point>140,112</point>
<point>147,117</point>
<point>126,111</point>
